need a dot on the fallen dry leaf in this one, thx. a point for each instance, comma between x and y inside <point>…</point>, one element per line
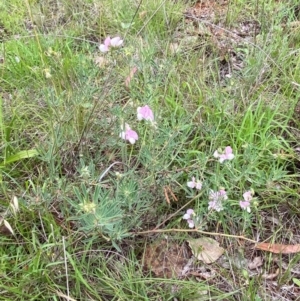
<point>204,275</point>
<point>278,248</point>
<point>270,276</point>
<point>255,263</point>
<point>166,259</point>
<point>205,249</point>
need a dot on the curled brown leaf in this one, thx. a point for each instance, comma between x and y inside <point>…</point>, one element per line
<point>278,248</point>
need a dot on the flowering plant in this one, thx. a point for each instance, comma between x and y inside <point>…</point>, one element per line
<point>145,113</point>
<point>129,134</point>
<point>194,184</point>
<point>224,155</point>
<point>245,204</point>
<point>108,42</point>
<point>189,217</point>
<point>216,200</point>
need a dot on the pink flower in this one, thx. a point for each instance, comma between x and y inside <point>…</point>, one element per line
<point>225,155</point>
<point>189,217</point>
<point>215,205</point>
<point>129,134</point>
<point>218,195</point>
<point>105,47</point>
<point>245,205</point>
<point>216,198</point>
<point>195,184</point>
<point>116,42</point>
<point>108,42</point>
<point>191,223</point>
<point>189,214</point>
<point>145,113</point>
<point>248,196</point>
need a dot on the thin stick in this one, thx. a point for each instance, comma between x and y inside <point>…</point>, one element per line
<point>194,230</point>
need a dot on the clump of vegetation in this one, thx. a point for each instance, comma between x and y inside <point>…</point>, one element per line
<point>131,132</point>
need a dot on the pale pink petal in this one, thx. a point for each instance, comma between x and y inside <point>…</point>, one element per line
<point>230,156</point>
<point>103,48</point>
<point>216,154</point>
<point>211,205</point>
<point>198,185</point>
<point>216,199</point>
<point>186,216</point>
<point>247,196</point>
<point>116,42</point>
<point>139,115</point>
<point>223,194</point>
<point>191,223</point>
<point>190,212</point>
<point>219,207</point>
<point>127,127</point>
<point>228,150</point>
<point>131,136</point>
<point>245,205</point>
<point>131,140</point>
<point>228,153</point>
<point>145,113</point>
<point>192,183</point>
<point>222,158</point>
<point>107,42</point>
<point>215,204</point>
<point>189,217</point>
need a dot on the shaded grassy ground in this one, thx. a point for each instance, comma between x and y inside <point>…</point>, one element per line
<point>215,74</point>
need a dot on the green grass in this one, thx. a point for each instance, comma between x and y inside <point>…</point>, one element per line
<point>87,198</point>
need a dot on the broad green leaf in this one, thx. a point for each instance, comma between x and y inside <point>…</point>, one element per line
<point>20,156</point>
<point>296,281</point>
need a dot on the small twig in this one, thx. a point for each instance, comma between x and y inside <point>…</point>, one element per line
<point>194,230</point>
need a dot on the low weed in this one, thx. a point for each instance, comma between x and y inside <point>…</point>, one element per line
<point>183,123</point>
